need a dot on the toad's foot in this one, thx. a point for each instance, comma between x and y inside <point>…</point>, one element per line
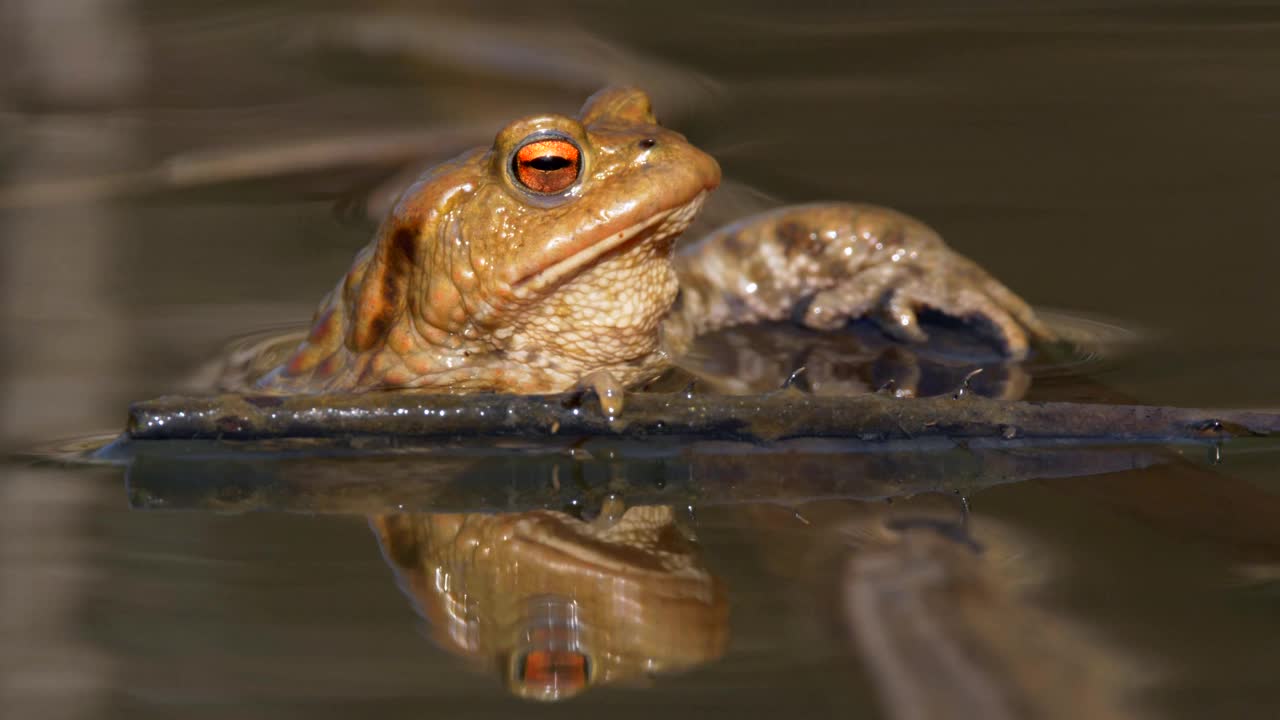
<point>607,389</point>
<point>894,293</point>
<point>826,264</point>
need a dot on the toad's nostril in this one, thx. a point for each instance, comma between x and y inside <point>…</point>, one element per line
<point>647,143</point>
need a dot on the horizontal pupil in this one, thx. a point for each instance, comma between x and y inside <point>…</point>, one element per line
<point>548,163</point>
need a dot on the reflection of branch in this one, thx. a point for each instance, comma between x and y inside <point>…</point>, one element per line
<point>298,476</point>
<point>756,418</point>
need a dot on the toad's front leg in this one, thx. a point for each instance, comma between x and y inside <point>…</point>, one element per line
<point>825,264</point>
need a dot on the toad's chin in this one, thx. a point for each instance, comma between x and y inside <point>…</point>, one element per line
<point>659,227</point>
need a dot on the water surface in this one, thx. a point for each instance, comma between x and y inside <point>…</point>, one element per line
<point>171,177</point>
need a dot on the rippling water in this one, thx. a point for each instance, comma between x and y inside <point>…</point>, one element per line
<point>178,174</point>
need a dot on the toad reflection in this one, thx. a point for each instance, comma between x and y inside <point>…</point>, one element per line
<point>556,603</point>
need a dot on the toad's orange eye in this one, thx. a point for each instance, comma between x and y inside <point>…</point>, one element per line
<point>547,165</point>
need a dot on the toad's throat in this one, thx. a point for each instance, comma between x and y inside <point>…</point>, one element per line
<point>659,226</point>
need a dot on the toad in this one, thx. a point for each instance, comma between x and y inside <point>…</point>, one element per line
<point>547,262</point>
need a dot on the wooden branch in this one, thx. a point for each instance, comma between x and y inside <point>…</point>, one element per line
<point>410,417</point>
<point>380,452</point>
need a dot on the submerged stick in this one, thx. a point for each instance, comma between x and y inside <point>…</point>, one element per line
<point>757,418</point>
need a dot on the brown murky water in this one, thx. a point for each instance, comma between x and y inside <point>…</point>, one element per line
<point>171,172</point>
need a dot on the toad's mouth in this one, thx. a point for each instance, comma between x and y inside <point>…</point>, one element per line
<point>663,225</point>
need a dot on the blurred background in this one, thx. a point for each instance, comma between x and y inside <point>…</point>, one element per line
<point>173,174</point>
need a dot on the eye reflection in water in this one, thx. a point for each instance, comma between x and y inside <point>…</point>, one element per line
<point>559,604</point>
